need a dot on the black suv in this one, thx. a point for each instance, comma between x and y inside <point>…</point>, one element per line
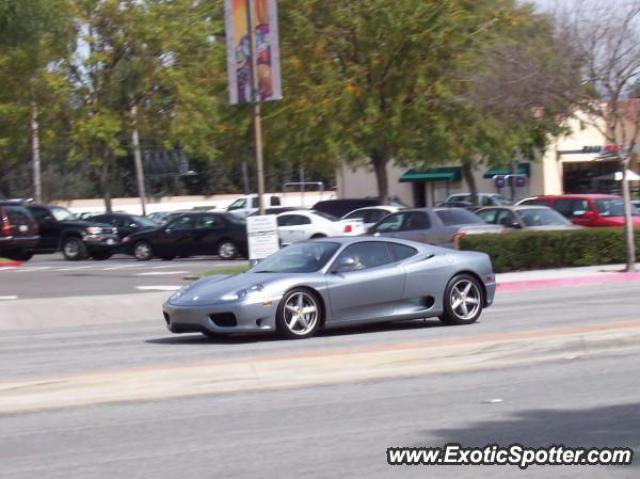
<point>60,231</point>
<point>18,232</point>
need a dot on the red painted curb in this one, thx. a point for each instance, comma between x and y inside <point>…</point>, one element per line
<point>602,278</point>
<point>10,264</point>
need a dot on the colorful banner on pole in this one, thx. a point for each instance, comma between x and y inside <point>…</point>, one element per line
<point>239,50</point>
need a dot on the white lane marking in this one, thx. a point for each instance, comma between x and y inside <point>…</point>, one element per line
<point>8,268</point>
<point>160,273</point>
<point>126,266</point>
<point>158,288</point>
<point>31,269</point>
<point>74,268</point>
<point>7,298</point>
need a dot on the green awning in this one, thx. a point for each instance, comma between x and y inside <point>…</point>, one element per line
<point>445,173</point>
<point>523,169</point>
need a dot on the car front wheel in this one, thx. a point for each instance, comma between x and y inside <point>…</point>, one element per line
<point>463,300</point>
<point>227,250</point>
<point>73,249</point>
<point>299,314</point>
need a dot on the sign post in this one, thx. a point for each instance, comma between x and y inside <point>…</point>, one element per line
<point>262,233</point>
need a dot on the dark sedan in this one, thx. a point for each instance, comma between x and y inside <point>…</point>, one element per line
<point>191,234</point>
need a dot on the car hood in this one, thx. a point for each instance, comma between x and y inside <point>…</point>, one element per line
<point>211,290</point>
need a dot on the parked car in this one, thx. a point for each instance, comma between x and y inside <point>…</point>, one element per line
<point>18,232</point>
<point>301,225</point>
<point>277,210</point>
<point>191,234</point>
<point>248,204</point>
<point>484,199</point>
<point>371,214</point>
<point>125,224</point>
<point>438,226</point>
<point>526,218</point>
<point>60,231</point>
<point>586,210</point>
<point>337,281</point>
<point>163,217</point>
<point>341,207</point>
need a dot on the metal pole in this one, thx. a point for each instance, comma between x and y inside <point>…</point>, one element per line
<point>255,96</point>
<point>302,186</point>
<point>35,151</point>
<point>628,220</point>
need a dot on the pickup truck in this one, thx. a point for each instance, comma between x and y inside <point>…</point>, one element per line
<point>77,239</point>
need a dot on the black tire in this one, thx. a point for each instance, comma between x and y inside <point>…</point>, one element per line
<point>227,249</point>
<point>472,301</point>
<point>284,325</point>
<point>101,256</point>
<point>142,251</point>
<point>74,249</point>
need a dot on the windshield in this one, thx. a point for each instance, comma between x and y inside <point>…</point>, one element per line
<point>458,216</point>
<point>298,258</point>
<point>61,214</point>
<point>237,204</point>
<point>613,207</point>
<point>500,200</point>
<point>141,220</point>
<point>542,217</point>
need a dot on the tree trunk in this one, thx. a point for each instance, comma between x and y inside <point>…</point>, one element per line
<point>470,179</point>
<point>35,152</point>
<point>137,157</point>
<point>379,162</point>
<point>628,219</point>
<point>105,180</point>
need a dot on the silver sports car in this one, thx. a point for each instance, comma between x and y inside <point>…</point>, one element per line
<point>337,281</point>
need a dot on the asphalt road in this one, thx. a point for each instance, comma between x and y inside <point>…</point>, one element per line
<point>48,276</point>
<point>540,368</point>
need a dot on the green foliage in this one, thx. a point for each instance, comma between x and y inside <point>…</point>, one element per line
<point>550,249</point>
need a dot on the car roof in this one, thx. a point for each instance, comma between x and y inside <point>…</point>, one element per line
<point>345,240</point>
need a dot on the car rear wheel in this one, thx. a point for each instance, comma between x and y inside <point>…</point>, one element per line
<point>299,314</point>
<point>463,300</point>
<point>142,251</point>
<point>227,249</point>
<point>73,249</point>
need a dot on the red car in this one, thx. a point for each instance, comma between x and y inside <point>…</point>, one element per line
<point>587,210</point>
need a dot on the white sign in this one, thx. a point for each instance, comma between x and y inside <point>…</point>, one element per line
<point>262,234</point>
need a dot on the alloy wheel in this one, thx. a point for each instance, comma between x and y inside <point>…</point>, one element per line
<point>465,299</point>
<point>301,313</point>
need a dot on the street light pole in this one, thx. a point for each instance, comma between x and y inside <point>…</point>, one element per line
<point>255,96</point>
<point>628,219</point>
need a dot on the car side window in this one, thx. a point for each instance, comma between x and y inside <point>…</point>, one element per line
<point>391,223</point>
<point>356,215</point>
<point>402,251</point>
<point>373,216</point>
<point>186,222</point>
<point>416,221</point>
<point>564,207</point>
<point>488,216</point>
<point>368,254</point>
<point>41,214</point>
<point>209,221</point>
<point>580,207</point>
<point>293,220</point>
<point>505,218</point>
<point>274,201</point>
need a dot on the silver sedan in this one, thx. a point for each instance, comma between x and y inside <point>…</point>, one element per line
<point>337,281</point>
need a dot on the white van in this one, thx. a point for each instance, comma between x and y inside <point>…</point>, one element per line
<point>248,204</point>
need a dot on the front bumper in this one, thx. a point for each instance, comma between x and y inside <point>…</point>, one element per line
<point>222,317</point>
<point>101,242</point>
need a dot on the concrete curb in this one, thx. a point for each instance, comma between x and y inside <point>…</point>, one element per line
<point>602,278</point>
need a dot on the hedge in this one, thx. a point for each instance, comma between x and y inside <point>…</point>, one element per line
<point>524,250</point>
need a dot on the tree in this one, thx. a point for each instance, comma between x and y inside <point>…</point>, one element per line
<point>608,40</point>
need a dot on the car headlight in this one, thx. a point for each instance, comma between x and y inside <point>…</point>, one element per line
<point>243,293</point>
<point>126,239</point>
<point>93,230</point>
<point>181,291</point>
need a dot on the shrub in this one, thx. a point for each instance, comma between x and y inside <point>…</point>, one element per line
<point>523,250</point>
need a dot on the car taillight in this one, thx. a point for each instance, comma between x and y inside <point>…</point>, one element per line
<point>6,227</point>
<point>456,237</point>
<point>348,229</point>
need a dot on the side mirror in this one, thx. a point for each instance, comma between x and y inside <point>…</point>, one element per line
<point>167,230</point>
<point>347,263</point>
<point>515,225</point>
<point>133,225</point>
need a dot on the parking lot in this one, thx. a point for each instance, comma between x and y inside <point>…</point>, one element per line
<point>47,276</point>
